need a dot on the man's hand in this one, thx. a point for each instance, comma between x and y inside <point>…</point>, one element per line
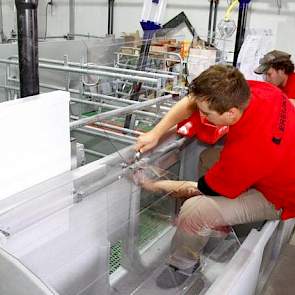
<point>146,141</point>
<point>179,189</point>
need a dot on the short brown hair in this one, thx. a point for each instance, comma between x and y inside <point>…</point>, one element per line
<point>286,65</point>
<point>223,87</point>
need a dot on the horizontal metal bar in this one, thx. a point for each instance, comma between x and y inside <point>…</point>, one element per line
<point>112,107</point>
<point>88,72</point>
<point>108,97</point>
<point>165,75</point>
<point>122,129</point>
<point>124,110</point>
<point>143,113</point>
<point>94,153</point>
<point>177,144</point>
<point>109,135</point>
<point>148,69</point>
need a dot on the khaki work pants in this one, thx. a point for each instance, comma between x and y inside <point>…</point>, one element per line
<point>203,216</point>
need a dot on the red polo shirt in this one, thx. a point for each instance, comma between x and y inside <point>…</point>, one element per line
<point>259,151</point>
<point>289,88</point>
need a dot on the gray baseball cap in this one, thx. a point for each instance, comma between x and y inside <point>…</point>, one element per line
<point>269,58</point>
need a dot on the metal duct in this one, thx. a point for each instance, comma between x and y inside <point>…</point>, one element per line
<point>27,46</point>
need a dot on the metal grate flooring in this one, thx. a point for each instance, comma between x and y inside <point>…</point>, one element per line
<point>150,226</point>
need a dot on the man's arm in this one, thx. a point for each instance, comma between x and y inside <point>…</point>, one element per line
<point>180,111</point>
<point>292,100</point>
<point>176,188</point>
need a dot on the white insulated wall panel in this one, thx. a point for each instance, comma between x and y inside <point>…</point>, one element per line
<point>35,141</point>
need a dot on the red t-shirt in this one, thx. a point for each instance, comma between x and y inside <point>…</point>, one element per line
<point>289,88</point>
<point>203,130</point>
<point>254,156</point>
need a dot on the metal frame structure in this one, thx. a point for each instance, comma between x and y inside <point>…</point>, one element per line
<point>154,80</point>
<point>113,105</point>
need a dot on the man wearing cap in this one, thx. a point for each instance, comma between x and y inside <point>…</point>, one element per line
<point>279,70</point>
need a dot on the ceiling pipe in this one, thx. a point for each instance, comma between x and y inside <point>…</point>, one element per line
<point>72,12</point>
<point>28,46</point>
<point>111,17</point>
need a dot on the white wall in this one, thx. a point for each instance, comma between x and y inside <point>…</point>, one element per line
<point>264,14</point>
<point>91,17</point>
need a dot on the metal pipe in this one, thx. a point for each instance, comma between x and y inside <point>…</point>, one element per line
<point>74,91</point>
<point>124,110</point>
<point>103,96</point>
<point>89,72</point>
<point>148,69</point>
<point>210,22</point>
<point>111,177</point>
<point>72,11</point>
<point>94,153</point>
<point>242,21</point>
<point>121,129</point>
<point>111,17</point>
<point>28,46</point>
<point>165,75</point>
<point>2,35</point>
<point>148,74</point>
<point>214,20</point>
<point>107,134</point>
<point>142,113</point>
<point>112,107</point>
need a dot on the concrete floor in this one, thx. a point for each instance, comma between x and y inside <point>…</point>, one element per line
<point>282,279</point>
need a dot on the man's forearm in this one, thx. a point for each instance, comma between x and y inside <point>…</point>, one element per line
<point>181,189</point>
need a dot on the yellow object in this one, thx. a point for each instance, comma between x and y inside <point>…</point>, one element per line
<point>230,9</point>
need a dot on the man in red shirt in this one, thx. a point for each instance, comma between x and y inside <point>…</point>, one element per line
<point>254,178</point>
<point>279,70</point>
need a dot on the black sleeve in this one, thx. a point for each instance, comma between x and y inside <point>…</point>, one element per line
<point>205,189</point>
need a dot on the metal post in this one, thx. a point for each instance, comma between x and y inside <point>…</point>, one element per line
<point>28,46</point>
<point>111,17</point>
<point>2,35</point>
<point>72,12</point>
<point>242,21</point>
<point>214,20</point>
<point>210,22</point>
